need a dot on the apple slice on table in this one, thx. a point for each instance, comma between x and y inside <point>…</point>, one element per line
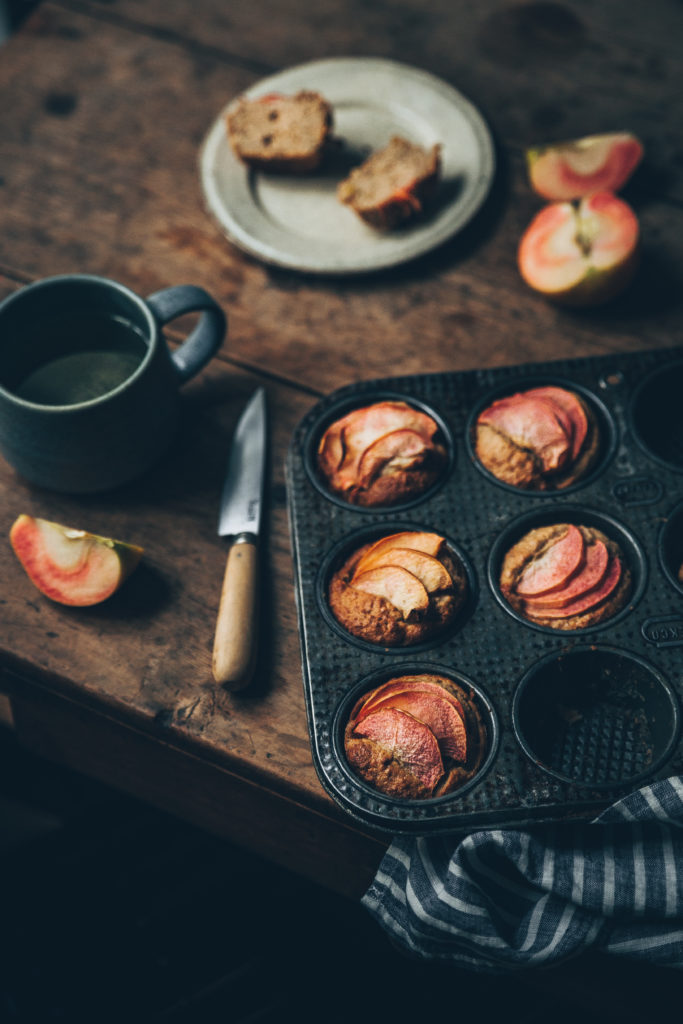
<point>572,170</point>
<point>398,586</point>
<point>71,566</point>
<point>580,254</point>
<point>432,574</point>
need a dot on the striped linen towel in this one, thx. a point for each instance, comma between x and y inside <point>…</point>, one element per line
<point>501,900</point>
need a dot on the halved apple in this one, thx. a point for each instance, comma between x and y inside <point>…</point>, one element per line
<point>572,170</point>
<point>580,254</point>
<point>398,586</point>
<point>71,566</point>
<point>430,571</point>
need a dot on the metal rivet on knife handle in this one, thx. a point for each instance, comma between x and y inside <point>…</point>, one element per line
<point>234,651</point>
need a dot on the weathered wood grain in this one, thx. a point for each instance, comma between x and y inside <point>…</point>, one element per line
<point>103,108</point>
<point>539,70</point>
<point>120,160</point>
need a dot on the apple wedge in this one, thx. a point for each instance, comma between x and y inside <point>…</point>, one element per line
<point>590,576</point>
<point>580,254</point>
<point>71,566</point>
<point>572,170</point>
<point>436,713</point>
<point>403,684</point>
<point>398,586</point>
<point>409,740</point>
<point>432,574</point>
<point>570,404</point>
<point>555,567</point>
<point>400,449</point>
<point>532,423</point>
<point>429,543</point>
<point>589,599</point>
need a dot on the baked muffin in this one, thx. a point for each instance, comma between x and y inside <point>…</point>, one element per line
<point>545,437</point>
<point>416,737</point>
<point>381,454</point>
<point>402,589</point>
<point>566,576</point>
<point>393,184</point>
<point>281,133</point>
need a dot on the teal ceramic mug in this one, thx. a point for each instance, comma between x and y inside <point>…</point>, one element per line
<point>89,389</point>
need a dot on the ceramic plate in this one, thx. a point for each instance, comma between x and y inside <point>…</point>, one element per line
<point>298,222</point>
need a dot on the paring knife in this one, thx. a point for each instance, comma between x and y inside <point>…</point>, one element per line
<point>234,650</point>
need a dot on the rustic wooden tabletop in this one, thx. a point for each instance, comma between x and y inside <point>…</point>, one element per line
<point>104,109</point>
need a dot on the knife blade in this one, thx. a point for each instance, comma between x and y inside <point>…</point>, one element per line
<point>234,649</point>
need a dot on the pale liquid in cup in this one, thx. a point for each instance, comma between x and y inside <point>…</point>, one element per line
<point>90,354</point>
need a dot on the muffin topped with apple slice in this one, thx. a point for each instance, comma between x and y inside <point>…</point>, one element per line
<point>382,454</point>
<point>538,439</point>
<point>401,589</point>
<point>566,576</point>
<point>416,736</point>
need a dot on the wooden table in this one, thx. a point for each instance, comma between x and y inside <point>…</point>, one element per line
<point>103,109</point>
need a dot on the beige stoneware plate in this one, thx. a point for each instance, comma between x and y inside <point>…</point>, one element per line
<point>298,222</point>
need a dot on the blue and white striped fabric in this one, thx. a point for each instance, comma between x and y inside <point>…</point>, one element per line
<point>503,899</point>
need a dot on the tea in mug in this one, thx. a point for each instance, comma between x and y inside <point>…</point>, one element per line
<point>78,357</point>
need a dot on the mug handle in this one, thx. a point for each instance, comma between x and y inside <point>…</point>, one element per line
<point>205,339</point>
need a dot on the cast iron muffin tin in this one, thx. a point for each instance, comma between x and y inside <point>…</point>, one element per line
<point>574,718</point>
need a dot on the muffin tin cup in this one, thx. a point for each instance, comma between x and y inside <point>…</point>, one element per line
<point>670,547</point>
<point>632,495</point>
<point>579,515</point>
<point>597,717</point>
<point>336,557</point>
<point>383,675</point>
<point>606,427</point>
<point>345,405</point>
<point>656,416</point>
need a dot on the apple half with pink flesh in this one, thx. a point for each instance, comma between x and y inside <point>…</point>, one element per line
<point>572,170</point>
<point>71,566</point>
<point>580,254</point>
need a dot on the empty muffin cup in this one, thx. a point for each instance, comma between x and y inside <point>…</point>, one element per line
<point>656,415</point>
<point>422,733</point>
<point>567,568</point>
<point>596,717</point>
<point>670,547</point>
<point>396,588</point>
<point>378,450</point>
<point>537,435</point>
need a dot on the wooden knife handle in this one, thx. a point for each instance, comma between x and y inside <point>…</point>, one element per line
<point>234,649</point>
